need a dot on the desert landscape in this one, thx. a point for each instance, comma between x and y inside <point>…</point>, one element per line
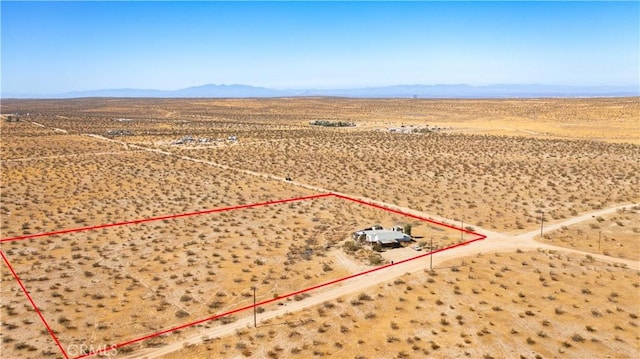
<point>151,284</point>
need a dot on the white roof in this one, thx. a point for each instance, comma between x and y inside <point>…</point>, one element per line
<point>384,236</point>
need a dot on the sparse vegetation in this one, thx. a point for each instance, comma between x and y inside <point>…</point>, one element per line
<point>189,268</point>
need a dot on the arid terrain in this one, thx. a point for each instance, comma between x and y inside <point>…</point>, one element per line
<point>530,304</point>
<point>495,167</point>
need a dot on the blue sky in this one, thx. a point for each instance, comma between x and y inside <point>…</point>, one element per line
<point>54,47</point>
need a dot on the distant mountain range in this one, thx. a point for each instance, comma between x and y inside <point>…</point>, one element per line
<point>400,91</point>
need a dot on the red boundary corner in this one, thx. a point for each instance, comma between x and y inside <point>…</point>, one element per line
<point>216,210</point>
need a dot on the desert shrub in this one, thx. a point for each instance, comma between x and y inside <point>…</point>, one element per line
<point>375,259</point>
<point>228,319</point>
<point>182,314</point>
<point>577,338</point>
<point>351,246</point>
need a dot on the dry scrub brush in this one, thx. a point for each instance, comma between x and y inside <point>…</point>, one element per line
<point>614,235</point>
<point>496,182</point>
<point>156,275</point>
<point>529,302</point>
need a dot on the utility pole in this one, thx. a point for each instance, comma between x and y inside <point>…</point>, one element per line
<point>541,223</point>
<point>599,238</point>
<point>462,230</point>
<point>255,322</point>
<point>431,256</point>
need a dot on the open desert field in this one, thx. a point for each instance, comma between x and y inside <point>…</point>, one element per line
<point>539,304</point>
<point>185,269</point>
<point>493,167</point>
<point>616,235</point>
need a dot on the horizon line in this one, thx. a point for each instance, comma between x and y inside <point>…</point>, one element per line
<point>540,89</point>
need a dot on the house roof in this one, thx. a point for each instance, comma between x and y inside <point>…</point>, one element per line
<point>384,236</point>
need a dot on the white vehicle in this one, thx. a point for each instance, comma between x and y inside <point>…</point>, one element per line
<point>417,247</point>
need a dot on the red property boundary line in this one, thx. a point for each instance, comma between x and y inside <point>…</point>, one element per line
<point>26,293</point>
<point>161,218</point>
<point>251,306</point>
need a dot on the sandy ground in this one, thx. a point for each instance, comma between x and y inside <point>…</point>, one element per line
<point>493,244</point>
<point>61,170</point>
<point>479,306</point>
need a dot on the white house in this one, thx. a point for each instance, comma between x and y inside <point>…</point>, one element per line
<point>385,237</point>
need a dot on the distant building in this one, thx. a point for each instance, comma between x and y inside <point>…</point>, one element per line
<point>401,130</point>
<point>115,133</point>
<point>13,118</point>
